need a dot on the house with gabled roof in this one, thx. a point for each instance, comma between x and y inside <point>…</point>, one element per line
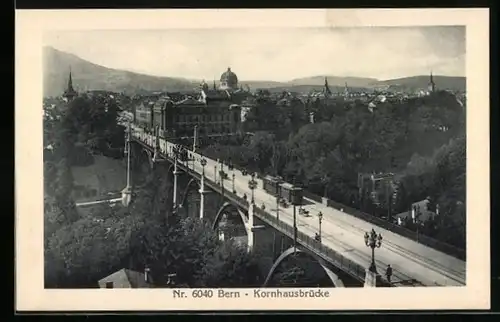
<point>126,278</point>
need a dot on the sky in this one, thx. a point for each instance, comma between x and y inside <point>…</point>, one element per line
<point>273,54</point>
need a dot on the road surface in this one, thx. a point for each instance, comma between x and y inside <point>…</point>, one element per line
<point>345,233</point>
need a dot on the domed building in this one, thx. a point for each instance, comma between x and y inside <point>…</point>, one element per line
<point>228,80</point>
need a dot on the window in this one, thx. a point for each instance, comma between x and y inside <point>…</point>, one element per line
<point>109,284</point>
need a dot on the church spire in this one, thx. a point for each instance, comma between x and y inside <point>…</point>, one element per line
<point>432,85</point>
<point>70,92</point>
<point>215,87</point>
<point>70,81</point>
<point>327,90</point>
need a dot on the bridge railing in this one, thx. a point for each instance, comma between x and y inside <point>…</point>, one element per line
<point>428,241</point>
<point>423,239</point>
<point>329,255</point>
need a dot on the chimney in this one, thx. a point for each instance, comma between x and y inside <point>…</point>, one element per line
<point>146,274</point>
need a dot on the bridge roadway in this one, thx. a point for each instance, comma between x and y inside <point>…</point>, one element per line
<point>345,233</point>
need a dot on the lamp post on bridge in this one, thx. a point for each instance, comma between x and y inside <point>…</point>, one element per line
<point>128,151</point>
<point>176,152</point>
<point>252,184</point>
<point>203,164</point>
<point>234,190</point>
<point>373,240</point>
<point>221,178</point>
<point>202,187</point>
<point>195,139</point>
<point>278,192</point>
<point>320,219</point>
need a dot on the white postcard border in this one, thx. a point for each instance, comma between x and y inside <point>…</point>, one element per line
<point>30,294</point>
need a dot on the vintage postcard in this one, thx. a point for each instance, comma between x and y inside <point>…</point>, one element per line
<point>252,160</point>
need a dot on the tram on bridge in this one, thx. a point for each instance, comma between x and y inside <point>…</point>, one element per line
<point>291,193</point>
<point>287,192</point>
<point>272,184</point>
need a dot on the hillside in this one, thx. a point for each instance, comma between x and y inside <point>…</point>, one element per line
<point>90,76</point>
<point>334,81</point>
<point>313,88</point>
<point>417,82</point>
<point>261,84</point>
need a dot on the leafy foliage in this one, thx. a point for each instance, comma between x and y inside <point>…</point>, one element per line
<point>79,253</point>
<point>410,138</point>
<point>88,250</point>
<point>228,266</point>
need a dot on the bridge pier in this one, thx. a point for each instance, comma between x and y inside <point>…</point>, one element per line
<point>203,192</point>
<point>372,279</point>
<point>126,196</point>
<point>176,175</point>
<point>251,227</point>
<point>127,192</point>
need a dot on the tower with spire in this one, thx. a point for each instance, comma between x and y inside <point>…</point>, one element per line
<point>326,89</point>
<point>70,92</point>
<point>432,85</point>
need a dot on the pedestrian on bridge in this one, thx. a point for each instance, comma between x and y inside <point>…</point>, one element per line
<point>388,273</point>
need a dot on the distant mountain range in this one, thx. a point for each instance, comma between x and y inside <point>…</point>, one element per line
<point>90,76</point>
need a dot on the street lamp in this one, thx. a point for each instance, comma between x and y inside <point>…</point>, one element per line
<point>252,184</point>
<point>373,240</point>
<point>278,191</point>
<point>320,219</point>
<point>203,164</point>
<point>215,173</point>
<point>221,178</point>
<point>234,190</point>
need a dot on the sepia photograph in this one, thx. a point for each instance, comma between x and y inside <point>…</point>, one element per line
<point>265,162</point>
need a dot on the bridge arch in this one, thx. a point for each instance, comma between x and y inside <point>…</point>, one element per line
<point>220,213</point>
<point>141,164</point>
<point>170,172</point>
<point>337,282</point>
<point>191,183</point>
<point>149,156</point>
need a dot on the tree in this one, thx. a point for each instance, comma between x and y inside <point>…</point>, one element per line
<point>229,266</point>
<point>54,217</point>
<point>308,151</point>
<point>278,157</point>
<point>180,248</point>
<point>262,146</point>
<point>87,250</point>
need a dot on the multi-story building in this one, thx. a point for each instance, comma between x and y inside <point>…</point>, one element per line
<point>212,111</point>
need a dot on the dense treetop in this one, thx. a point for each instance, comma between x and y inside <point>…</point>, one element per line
<point>421,140</point>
